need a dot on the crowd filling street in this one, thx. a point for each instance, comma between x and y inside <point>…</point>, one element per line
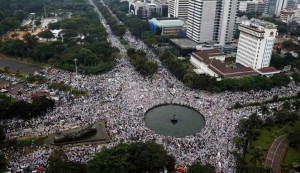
<point>122,97</point>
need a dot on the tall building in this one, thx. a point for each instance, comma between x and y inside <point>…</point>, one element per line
<point>212,20</point>
<point>148,9</point>
<point>252,6</point>
<point>256,43</point>
<point>273,7</point>
<point>255,6</point>
<point>243,6</point>
<point>178,8</point>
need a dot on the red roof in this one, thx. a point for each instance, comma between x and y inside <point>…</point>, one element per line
<point>218,66</point>
<point>268,70</point>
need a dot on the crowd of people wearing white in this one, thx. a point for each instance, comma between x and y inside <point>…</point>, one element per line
<point>122,96</point>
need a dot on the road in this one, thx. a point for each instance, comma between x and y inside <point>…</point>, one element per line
<point>18,66</point>
<point>276,153</point>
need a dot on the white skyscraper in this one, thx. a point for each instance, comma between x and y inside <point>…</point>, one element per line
<point>212,20</point>
<point>178,8</point>
<point>256,43</point>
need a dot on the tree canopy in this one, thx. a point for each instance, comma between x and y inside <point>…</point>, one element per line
<point>82,37</point>
<point>141,63</point>
<point>279,61</point>
<point>132,158</point>
<point>200,168</point>
<point>3,163</point>
<point>47,34</point>
<point>11,108</point>
<point>59,161</point>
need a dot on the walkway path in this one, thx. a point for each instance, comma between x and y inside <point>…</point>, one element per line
<point>276,153</point>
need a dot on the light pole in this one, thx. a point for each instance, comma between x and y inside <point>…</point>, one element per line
<point>75,60</point>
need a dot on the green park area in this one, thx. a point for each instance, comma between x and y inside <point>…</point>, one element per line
<point>265,140</point>
<point>292,156</point>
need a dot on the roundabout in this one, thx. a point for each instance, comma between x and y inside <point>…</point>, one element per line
<point>174,120</point>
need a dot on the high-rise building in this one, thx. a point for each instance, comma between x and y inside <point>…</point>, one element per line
<point>273,7</point>
<point>178,8</point>
<point>252,6</point>
<point>255,6</point>
<point>148,9</point>
<point>212,20</point>
<point>256,43</point>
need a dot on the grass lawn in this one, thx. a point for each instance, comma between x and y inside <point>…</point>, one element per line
<point>291,156</point>
<point>266,138</point>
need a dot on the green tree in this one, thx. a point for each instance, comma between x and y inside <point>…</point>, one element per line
<point>150,157</point>
<point>250,128</point>
<point>111,160</point>
<point>37,22</point>
<point>280,79</point>
<point>298,95</point>
<point>130,51</point>
<point>200,168</point>
<point>149,38</point>
<point>3,163</point>
<point>134,158</point>
<point>296,77</point>
<point>58,162</point>
<point>150,67</point>
<point>264,109</point>
<point>256,156</point>
<point>30,41</point>
<point>47,34</point>
<point>288,44</point>
<point>14,47</point>
<point>2,134</point>
<point>294,139</point>
<point>277,61</point>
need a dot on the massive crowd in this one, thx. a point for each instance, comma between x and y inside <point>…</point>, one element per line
<point>122,96</point>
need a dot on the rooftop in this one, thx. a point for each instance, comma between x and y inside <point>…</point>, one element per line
<point>256,23</point>
<point>268,70</point>
<point>219,67</point>
<point>184,43</point>
<point>167,23</point>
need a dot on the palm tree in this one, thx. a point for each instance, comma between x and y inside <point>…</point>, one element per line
<point>256,156</point>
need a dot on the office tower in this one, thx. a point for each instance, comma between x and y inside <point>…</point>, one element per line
<point>273,7</point>
<point>255,6</point>
<point>178,8</point>
<point>212,20</point>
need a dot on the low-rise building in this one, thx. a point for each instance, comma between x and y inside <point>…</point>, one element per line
<point>286,16</point>
<point>211,62</point>
<point>166,26</point>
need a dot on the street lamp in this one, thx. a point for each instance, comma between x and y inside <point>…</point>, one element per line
<point>75,60</point>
